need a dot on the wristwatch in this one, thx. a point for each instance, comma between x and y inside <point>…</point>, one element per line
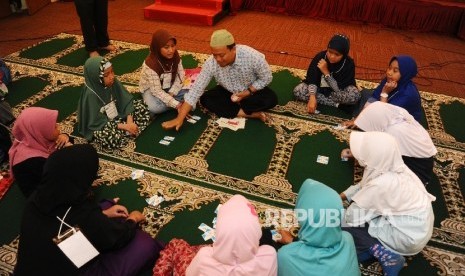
<point>384,95</point>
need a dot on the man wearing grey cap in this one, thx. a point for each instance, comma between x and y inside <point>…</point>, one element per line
<point>242,75</point>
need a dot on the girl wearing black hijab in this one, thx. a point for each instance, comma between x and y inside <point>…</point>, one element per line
<point>66,181</point>
<point>330,77</point>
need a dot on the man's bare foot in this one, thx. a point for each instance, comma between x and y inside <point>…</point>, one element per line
<point>109,47</point>
<point>255,115</point>
<point>94,54</point>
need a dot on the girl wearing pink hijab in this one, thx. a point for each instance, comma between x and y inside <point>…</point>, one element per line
<point>236,250</point>
<point>36,135</point>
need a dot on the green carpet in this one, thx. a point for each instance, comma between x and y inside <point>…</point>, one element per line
<point>206,164</point>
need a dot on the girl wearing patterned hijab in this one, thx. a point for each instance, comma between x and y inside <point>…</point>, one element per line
<point>162,74</point>
<point>37,135</point>
<point>330,77</point>
<point>107,113</point>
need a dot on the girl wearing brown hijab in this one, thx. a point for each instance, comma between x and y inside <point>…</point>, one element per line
<point>162,74</point>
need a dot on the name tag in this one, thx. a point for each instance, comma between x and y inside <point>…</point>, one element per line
<point>110,110</point>
<point>166,83</point>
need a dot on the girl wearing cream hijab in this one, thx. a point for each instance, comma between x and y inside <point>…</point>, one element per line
<point>415,144</point>
<point>391,213</point>
<point>236,250</point>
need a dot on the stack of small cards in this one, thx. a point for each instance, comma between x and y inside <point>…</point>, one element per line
<point>193,118</point>
<point>209,232</point>
<point>233,124</point>
<point>155,200</point>
<point>166,140</point>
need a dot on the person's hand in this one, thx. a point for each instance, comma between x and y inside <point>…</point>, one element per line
<point>136,216</point>
<point>346,153</point>
<point>286,237</point>
<point>62,141</point>
<point>132,128</point>
<point>349,123</point>
<point>176,123</point>
<point>323,66</point>
<point>389,86</point>
<point>237,97</point>
<point>343,196</point>
<point>311,105</point>
<point>116,211</point>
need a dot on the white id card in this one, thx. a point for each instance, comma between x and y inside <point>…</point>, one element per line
<point>323,82</point>
<point>77,248</point>
<point>110,110</point>
<point>166,77</point>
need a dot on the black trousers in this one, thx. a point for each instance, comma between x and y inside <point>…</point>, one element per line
<point>93,15</point>
<point>218,101</point>
<point>422,167</point>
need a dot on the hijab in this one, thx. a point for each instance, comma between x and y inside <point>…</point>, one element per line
<point>236,250</point>
<point>323,248</point>
<point>413,140</point>
<point>33,132</point>
<point>343,71</point>
<point>387,186</point>
<point>90,117</point>
<point>156,61</point>
<point>67,178</point>
<point>406,94</point>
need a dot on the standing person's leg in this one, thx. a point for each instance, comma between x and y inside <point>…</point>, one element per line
<point>101,25</point>
<point>218,101</point>
<point>85,11</point>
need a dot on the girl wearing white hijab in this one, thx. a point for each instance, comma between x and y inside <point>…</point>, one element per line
<point>390,200</point>
<point>236,250</point>
<point>415,144</point>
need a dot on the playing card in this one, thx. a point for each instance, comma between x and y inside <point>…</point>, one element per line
<point>164,142</point>
<point>137,174</point>
<point>204,227</point>
<point>322,159</point>
<point>155,200</point>
<point>339,127</point>
<point>275,235</point>
<point>168,138</point>
<point>214,222</point>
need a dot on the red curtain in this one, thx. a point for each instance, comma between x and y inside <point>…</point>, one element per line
<point>401,14</point>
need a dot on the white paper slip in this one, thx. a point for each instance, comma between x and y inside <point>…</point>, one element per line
<point>214,222</point>
<point>339,127</point>
<point>317,112</point>
<point>195,117</point>
<point>192,121</point>
<point>322,159</point>
<point>168,138</point>
<point>155,200</point>
<point>208,235</point>
<point>344,159</point>
<point>204,227</point>
<point>136,174</point>
<point>164,142</point>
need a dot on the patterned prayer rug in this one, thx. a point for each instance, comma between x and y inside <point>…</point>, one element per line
<point>207,164</point>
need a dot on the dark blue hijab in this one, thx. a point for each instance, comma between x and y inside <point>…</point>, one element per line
<point>406,94</point>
